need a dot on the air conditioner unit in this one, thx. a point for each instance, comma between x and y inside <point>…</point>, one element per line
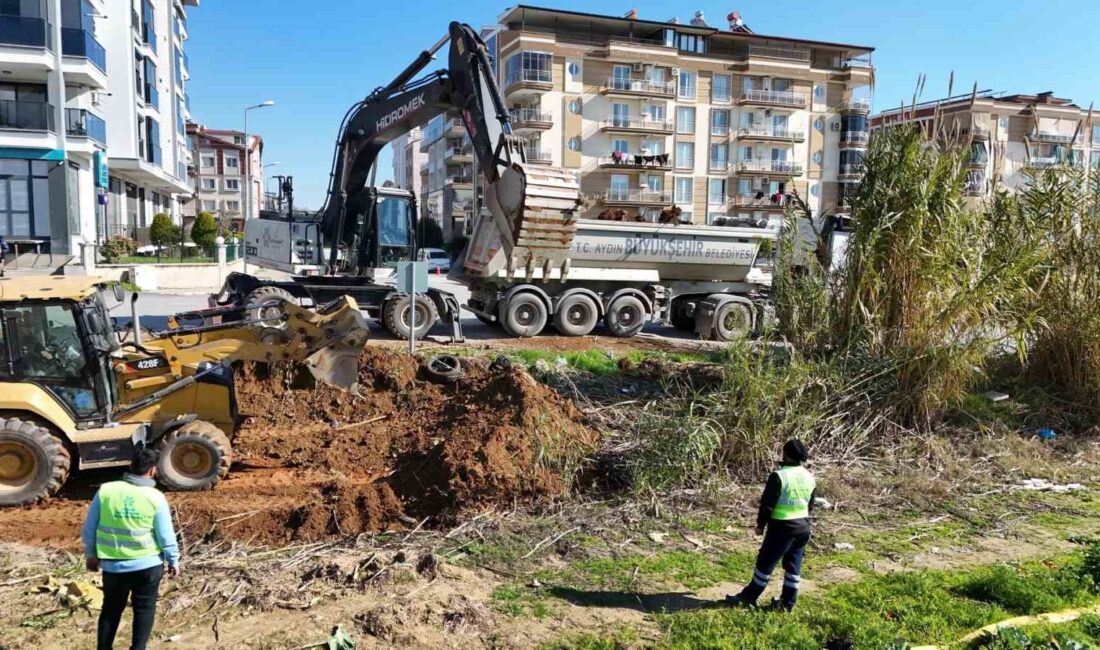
<point>97,99</point>
<point>767,112</point>
<point>835,126</point>
<point>638,67</point>
<point>676,72</point>
<point>764,182</point>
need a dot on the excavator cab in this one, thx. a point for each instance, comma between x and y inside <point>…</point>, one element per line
<point>386,232</point>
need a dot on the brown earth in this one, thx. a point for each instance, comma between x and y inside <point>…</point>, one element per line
<point>321,463</point>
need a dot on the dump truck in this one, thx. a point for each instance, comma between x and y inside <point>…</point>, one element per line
<point>77,392</point>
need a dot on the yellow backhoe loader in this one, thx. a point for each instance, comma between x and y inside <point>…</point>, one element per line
<point>76,393</point>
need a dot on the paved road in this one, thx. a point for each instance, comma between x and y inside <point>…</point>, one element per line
<point>154,309</point>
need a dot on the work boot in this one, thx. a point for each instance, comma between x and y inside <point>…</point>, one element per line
<point>739,601</point>
<point>778,605</point>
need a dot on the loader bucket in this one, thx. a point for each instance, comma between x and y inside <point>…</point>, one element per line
<point>336,363</point>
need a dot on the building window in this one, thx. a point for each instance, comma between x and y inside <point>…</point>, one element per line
<point>209,206</point>
<point>620,146</point>
<point>620,115</point>
<point>574,144</point>
<point>232,184</point>
<point>233,206</point>
<point>722,89</point>
<point>720,122</point>
<point>208,160</point>
<point>684,189</point>
<point>687,85</point>
<point>231,162</point>
<point>744,186</point>
<point>719,156</point>
<point>746,152</point>
<point>685,155</point>
<point>691,43</point>
<point>575,71</point>
<point>747,118</point>
<point>653,147</point>
<point>654,112</point>
<point>575,107</point>
<point>685,120</point>
<point>1096,134</point>
<point>716,192</point>
<point>620,187</point>
<point>782,85</point>
<point>1094,159</point>
<point>528,66</point>
<point>24,198</point>
<point>210,184</point>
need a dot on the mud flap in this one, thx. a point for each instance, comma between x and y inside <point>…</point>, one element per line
<point>449,311</point>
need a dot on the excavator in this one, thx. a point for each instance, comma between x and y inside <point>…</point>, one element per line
<point>353,245</point>
<point>78,392</point>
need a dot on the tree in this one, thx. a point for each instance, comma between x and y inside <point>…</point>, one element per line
<point>163,233</point>
<point>204,231</point>
<point>429,234</point>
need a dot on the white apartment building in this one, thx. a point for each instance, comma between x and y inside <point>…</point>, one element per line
<point>408,159</point>
<point>220,158</point>
<point>92,107</point>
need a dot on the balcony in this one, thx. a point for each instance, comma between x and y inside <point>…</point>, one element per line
<point>854,139</point>
<point>1045,162</point>
<point>638,88</point>
<point>530,118</point>
<point>80,123</point>
<point>773,133</point>
<point>454,128</point>
<point>78,42</point>
<point>763,203</point>
<point>537,156</point>
<point>722,166</point>
<point>974,189</point>
<point>787,53</point>
<point>636,197</point>
<point>855,106</point>
<point>21,31</point>
<point>772,98</point>
<point>850,173</point>
<point>977,162</point>
<point>1054,138</point>
<point>769,167</point>
<point>458,155</point>
<point>636,125</point>
<point>525,80</point>
<point>638,162</point>
<point>977,132</point>
<point>26,116</point>
<point>460,179</point>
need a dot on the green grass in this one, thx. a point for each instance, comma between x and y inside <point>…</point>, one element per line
<point>167,259</point>
<point>599,362</point>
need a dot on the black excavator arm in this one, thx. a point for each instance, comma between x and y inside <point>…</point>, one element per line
<point>466,86</point>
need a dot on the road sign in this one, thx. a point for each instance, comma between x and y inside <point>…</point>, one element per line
<point>410,275</point>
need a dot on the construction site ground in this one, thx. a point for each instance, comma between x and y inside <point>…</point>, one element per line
<point>431,515</point>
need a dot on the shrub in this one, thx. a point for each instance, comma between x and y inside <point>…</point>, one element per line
<point>204,231</point>
<point>117,247</point>
<point>163,233</point>
<point>455,247</point>
<point>428,233</point>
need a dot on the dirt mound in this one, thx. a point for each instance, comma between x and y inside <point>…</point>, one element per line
<point>404,452</point>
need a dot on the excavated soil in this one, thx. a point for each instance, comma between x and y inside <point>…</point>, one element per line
<point>404,452</point>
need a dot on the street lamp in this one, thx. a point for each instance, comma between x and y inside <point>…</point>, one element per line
<point>248,156</point>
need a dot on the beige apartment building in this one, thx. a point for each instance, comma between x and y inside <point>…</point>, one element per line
<point>1010,136</point>
<point>656,114</point>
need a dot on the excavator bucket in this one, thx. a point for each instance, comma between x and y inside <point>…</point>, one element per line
<point>336,362</point>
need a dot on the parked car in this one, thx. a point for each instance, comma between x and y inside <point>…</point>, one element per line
<point>438,260</point>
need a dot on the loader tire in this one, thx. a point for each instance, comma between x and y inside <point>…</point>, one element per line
<point>193,457</point>
<point>396,315</point>
<point>34,462</point>
<point>576,315</point>
<point>523,315</point>
<point>272,317</point>
<point>732,322</point>
<point>625,316</point>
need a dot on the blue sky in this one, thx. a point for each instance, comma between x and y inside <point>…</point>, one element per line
<point>315,58</point>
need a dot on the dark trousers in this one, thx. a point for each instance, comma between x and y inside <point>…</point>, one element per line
<point>141,588</point>
<point>779,544</point>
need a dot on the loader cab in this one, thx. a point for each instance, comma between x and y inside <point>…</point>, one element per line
<point>63,346</point>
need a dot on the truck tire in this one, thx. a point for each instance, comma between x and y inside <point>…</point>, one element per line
<point>625,316</point>
<point>193,457</point>
<point>732,322</point>
<point>34,462</point>
<point>271,316</point>
<point>576,315</point>
<point>396,312</point>
<point>523,315</point>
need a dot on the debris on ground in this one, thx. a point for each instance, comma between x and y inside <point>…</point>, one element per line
<point>1043,485</point>
<point>844,546</point>
<point>72,594</point>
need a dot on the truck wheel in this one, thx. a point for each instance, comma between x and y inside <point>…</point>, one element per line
<point>193,457</point>
<point>625,316</point>
<point>576,315</point>
<point>271,316</point>
<point>397,315</point>
<point>732,322</point>
<point>524,315</point>
<point>34,463</point>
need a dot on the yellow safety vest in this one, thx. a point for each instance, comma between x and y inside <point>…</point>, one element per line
<point>794,494</point>
<point>126,513</point>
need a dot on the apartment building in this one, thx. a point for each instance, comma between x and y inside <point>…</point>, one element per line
<point>408,159</point>
<point>656,114</point>
<point>220,159</point>
<point>84,88</point>
<point>1010,136</point>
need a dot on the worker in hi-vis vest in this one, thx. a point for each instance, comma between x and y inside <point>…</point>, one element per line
<point>785,511</point>
<point>128,535</point>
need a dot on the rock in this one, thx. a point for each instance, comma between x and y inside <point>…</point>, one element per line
<point>844,546</point>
